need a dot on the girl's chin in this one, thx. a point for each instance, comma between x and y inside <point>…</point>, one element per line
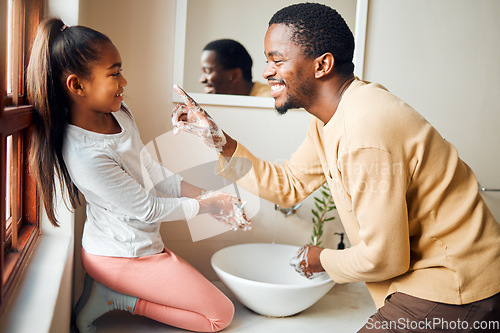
<point>118,106</point>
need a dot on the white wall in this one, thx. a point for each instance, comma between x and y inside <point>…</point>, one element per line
<point>67,10</point>
<point>441,57</point>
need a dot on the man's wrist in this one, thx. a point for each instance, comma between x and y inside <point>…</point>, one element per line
<point>315,259</point>
<point>230,147</point>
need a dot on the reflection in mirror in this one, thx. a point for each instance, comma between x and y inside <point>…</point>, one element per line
<point>226,68</point>
<point>200,21</point>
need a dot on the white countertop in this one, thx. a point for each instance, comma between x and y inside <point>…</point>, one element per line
<point>345,309</point>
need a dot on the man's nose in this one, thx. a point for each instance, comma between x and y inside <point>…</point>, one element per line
<point>269,71</point>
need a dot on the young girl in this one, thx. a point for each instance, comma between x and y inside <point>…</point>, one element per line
<point>86,137</point>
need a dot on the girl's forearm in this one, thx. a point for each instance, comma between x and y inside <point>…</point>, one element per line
<point>190,191</point>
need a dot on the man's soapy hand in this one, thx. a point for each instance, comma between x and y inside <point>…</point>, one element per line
<point>190,117</point>
<point>226,208</point>
<point>307,261</point>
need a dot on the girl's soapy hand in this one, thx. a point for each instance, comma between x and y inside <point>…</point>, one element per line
<point>225,208</point>
<point>191,118</point>
<point>307,261</point>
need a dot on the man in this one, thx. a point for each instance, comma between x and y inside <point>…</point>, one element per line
<point>422,237</point>
<point>227,69</point>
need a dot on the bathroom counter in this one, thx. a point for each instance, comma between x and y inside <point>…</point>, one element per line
<point>345,309</point>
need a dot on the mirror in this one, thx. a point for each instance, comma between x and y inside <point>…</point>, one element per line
<point>201,21</point>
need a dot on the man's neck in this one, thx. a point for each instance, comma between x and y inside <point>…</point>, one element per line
<point>326,103</point>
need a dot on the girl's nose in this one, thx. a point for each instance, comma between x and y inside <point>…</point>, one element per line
<point>123,81</point>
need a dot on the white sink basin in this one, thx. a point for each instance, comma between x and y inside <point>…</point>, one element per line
<point>261,278</point>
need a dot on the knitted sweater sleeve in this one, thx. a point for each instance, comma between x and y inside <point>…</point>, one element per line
<point>372,187</point>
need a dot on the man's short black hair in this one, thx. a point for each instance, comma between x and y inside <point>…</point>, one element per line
<point>319,29</point>
<point>231,54</point>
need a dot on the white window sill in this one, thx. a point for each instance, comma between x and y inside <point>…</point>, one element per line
<point>44,287</point>
<point>42,299</point>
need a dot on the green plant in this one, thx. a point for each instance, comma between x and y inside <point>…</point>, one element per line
<point>324,204</point>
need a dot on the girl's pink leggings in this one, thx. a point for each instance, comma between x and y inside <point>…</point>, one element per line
<point>169,290</point>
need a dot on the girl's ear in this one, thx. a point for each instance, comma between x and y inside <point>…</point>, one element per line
<point>73,85</point>
<point>323,65</point>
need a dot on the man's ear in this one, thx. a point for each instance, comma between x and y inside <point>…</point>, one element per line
<point>236,74</point>
<point>74,86</point>
<point>323,65</point>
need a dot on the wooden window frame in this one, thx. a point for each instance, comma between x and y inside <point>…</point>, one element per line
<point>19,233</point>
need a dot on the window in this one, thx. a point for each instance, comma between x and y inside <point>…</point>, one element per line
<point>19,208</point>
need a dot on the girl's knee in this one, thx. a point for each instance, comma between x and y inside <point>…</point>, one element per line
<point>224,316</point>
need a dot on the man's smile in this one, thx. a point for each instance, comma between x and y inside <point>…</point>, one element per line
<point>276,87</point>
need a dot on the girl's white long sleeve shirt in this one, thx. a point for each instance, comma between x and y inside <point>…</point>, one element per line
<point>128,194</point>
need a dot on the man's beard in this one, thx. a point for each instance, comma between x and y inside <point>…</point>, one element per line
<point>290,103</point>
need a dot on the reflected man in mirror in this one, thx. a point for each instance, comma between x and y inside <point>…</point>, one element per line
<point>227,69</point>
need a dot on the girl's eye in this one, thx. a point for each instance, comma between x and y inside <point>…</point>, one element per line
<point>117,73</point>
